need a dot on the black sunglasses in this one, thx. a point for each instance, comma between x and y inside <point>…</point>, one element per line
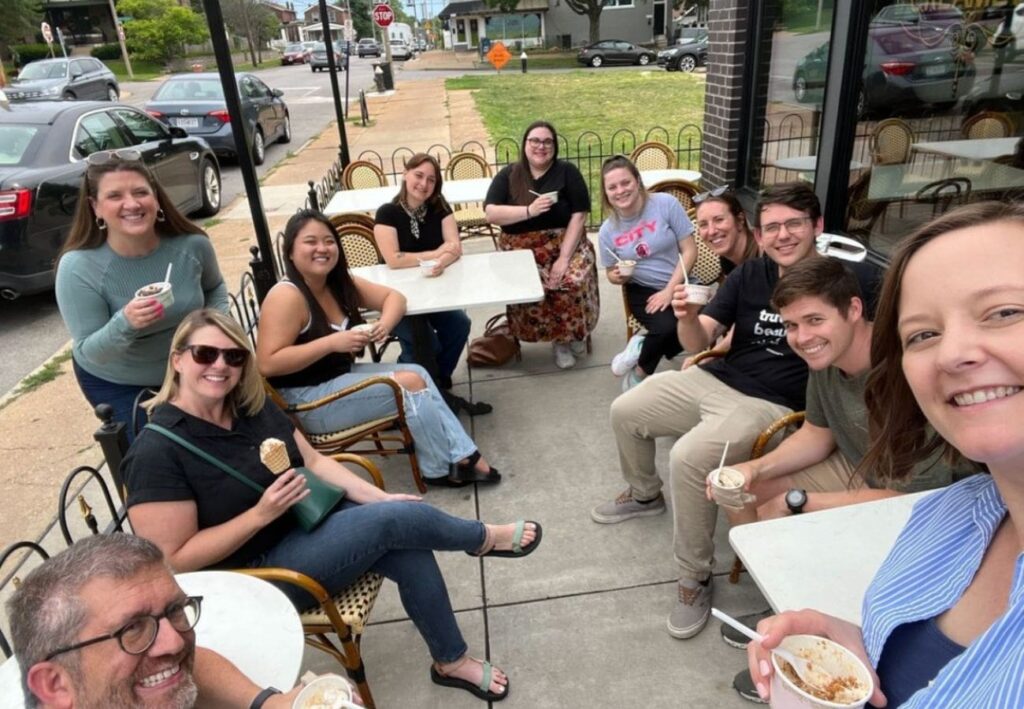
<point>207,354</point>
<point>102,157</point>
<point>717,192</point>
<point>139,634</point>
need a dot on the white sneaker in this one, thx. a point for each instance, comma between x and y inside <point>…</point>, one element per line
<point>630,380</point>
<point>626,360</point>
<point>578,347</point>
<point>563,356</point>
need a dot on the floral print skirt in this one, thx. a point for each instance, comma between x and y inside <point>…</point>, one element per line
<point>567,314</point>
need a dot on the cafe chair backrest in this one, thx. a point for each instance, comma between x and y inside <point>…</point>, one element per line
<point>359,245</point>
<point>361,174</point>
<point>987,124</point>
<point>891,141</point>
<point>653,155</point>
<point>467,166</point>
<point>707,269</point>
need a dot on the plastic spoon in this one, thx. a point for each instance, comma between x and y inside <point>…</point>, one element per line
<point>614,255</point>
<point>721,462</point>
<point>807,674</point>
<point>167,276</point>
<point>686,278</point>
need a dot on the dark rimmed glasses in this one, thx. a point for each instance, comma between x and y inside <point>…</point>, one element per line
<point>541,142</point>
<point>102,157</point>
<point>710,194</point>
<point>796,225</point>
<point>139,634</point>
<point>208,354</point>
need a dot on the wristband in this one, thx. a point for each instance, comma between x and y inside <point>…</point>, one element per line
<point>263,696</point>
<point>527,211</point>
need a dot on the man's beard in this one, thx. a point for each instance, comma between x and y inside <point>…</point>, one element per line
<point>122,696</point>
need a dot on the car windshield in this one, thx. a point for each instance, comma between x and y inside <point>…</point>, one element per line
<point>14,142</point>
<point>190,90</point>
<point>294,48</point>
<point>44,70</point>
<point>319,47</point>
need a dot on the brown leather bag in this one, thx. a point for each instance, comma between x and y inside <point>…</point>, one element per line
<point>496,346</point>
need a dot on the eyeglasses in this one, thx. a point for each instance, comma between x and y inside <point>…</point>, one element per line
<point>102,157</point>
<point>717,192</point>
<point>207,354</point>
<point>793,226</point>
<point>540,142</point>
<point>139,634</point>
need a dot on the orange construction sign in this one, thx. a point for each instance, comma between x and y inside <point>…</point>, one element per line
<point>498,56</point>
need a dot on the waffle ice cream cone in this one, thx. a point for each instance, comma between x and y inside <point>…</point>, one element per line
<point>274,455</point>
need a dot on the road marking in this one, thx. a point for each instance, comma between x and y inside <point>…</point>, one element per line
<point>312,99</point>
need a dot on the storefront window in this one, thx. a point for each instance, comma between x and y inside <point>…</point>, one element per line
<point>510,29</point>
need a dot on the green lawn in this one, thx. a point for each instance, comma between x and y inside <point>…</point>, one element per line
<point>143,71</point>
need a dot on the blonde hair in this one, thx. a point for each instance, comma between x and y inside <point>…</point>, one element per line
<point>248,397</point>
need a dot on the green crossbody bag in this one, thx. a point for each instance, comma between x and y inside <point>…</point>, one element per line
<point>308,512</point>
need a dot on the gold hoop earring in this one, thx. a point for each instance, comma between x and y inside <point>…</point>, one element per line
<point>101,223</point>
<point>160,216</point>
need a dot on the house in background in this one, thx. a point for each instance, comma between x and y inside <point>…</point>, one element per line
<point>288,18</point>
<point>551,23</point>
<point>340,24</point>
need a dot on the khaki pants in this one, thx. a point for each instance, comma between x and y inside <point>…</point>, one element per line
<point>834,474</point>
<point>705,413</point>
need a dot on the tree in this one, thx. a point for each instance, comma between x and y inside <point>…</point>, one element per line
<point>591,9</point>
<point>255,21</point>
<point>160,29</point>
<point>506,6</point>
<point>21,21</point>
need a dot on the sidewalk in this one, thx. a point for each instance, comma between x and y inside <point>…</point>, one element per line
<point>579,623</point>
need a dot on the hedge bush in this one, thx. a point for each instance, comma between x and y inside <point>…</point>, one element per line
<point>30,52</point>
<point>111,50</point>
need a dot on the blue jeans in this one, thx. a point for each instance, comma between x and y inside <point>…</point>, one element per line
<point>440,438</point>
<point>120,396</point>
<point>395,539</point>
<point>449,331</point>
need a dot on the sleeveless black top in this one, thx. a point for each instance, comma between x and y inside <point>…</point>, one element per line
<point>324,369</point>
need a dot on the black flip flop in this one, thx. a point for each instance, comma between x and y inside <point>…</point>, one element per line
<point>480,691</point>
<point>475,408</point>
<point>467,473</point>
<point>517,551</point>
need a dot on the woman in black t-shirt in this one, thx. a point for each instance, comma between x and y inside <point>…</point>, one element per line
<point>415,226</point>
<point>541,203</point>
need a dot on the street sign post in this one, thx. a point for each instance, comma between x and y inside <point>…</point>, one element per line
<point>47,32</point>
<point>383,15</point>
<point>498,56</point>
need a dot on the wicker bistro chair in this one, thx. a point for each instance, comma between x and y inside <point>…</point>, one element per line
<point>653,155</point>
<point>361,174</point>
<point>987,124</point>
<point>389,435</point>
<point>470,217</point>
<point>891,142</point>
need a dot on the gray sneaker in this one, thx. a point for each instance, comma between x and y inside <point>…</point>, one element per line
<point>692,609</point>
<point>625,507</point>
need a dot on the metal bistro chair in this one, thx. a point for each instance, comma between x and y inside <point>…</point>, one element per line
<point>30,547</point>
<point>943,194</point>
<point>361,174</point>
<point>471,218</point>
<point>987,124</point>
<point>653,155</point>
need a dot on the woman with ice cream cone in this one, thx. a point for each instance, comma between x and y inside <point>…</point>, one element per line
<point>127,235</point>
<point>646,246</point>
<point>200,516</point>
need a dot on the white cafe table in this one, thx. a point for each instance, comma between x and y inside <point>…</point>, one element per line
<point>974,149</point>
<point>822,560</point>
<point>653,177</point>
<point>370,198</point>
<point>901,182</point>
<point>808,163</point>
<point>491,278</point>
<point>245,619</point>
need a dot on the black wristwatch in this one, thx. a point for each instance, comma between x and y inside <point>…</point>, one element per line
<point>263,696</point>
<point>795,500</point>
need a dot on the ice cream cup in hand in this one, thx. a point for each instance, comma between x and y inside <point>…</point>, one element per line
<point>698,294</point>
<point>626,268</point>
<point>553,195</point>
<point>727,487</point>
<point>427,267</point>
<point>326,692</point>
<point>162,292</point>
<point>850,683</point>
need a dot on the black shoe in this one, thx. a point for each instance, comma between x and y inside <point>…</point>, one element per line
<point>743,683</point>
<point>733,637</point>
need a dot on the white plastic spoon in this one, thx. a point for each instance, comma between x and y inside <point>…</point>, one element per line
<point>810,676</point>
<point>167,276</point>
<point>614,255</point>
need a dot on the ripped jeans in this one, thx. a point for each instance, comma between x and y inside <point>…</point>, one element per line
<point>439,436</point>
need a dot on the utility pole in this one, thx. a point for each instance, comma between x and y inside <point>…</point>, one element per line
<point>120,39</point>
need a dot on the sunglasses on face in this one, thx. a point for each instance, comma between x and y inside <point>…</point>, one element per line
<point>102,157</point>
<point>717,192</point>
<point>207,354</point>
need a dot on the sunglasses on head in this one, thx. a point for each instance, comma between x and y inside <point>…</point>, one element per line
<point>207,354</point>
<point>102,157</point>
<point>613,158</point>
<point>717,192</point>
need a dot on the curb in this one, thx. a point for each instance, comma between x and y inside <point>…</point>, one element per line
<point>16,392</point>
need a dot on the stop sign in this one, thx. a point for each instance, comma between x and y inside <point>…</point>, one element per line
<point>383,15</point>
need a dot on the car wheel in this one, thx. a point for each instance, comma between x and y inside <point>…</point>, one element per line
<point>112,94</point>
<point>644,60</point>
<point>209,188</point>
<point>68,96</point>
<point>286,135</point>
<point>800,88</point>
<point>596,61</point>
<point>687,63</point>
<point>312,69</point>
<point>259,148</point>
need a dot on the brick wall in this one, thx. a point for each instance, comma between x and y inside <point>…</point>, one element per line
<point>723,121</point>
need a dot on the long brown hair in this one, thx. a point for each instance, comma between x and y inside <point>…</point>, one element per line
<point>617,162</point>
<point>86,234</point>
<point>897,427</point>
<point>436,200</point>
<point>520,180</point>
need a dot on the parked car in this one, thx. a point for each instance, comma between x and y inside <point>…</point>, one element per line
<point>902,70</point>
<point>345,47</point>
<point>400,50</point>
<point>944,16</point>
<point>69,79</point>
<point>690,52</point>
<point>295,54</point>
<point>318,60</point>
<point>368,48</point>
<point>615,51</point>
<point>42,149</point>
<point>195,103</point>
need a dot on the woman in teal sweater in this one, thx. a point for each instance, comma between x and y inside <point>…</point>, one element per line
<point>125,233</point>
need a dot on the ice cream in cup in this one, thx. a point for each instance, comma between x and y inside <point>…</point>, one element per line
<point>326,692</point>
<point>626,268</point>
<point>696,293</point>
<point>727,487</point>
<point>366,327</point>
<point>427,267</point>
<point>161,292</point>
<point>847,682</point>
<point>553,196</point>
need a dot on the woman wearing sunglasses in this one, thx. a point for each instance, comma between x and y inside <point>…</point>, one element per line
<point>541,203</point>
<point>125,234</point>
<point>309,339</point>
<point>650,235</point>
<point>943,619</point>
<point>200,516</point>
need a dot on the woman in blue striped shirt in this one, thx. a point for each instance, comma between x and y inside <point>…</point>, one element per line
<point>944,616</point>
